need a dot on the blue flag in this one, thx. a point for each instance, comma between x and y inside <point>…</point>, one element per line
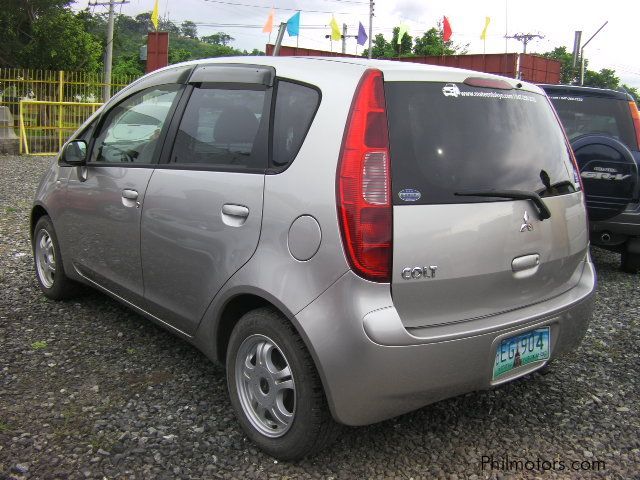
<point>293,25</point>
<point>362,35</point>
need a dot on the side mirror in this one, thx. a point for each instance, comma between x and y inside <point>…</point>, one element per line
<point>74,154</point>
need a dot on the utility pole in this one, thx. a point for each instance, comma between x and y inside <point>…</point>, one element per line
<point>576,47</point>
<point>582,52</point>
<point>108,57</point>
<point>281,30</point>
<point>525,38</point>
<point>371,4</point>
<point>344,38</point>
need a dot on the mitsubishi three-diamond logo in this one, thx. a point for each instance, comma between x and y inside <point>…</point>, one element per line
<point>526,225</point>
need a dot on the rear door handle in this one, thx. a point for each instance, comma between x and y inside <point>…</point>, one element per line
<point>234,215</point>
<point>525,262</point>
<point>129,194</point>
<point>235,210</point>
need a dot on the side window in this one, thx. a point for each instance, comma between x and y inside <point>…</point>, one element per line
<point>224,128</point>
<point>130,131</point>
<point>295,108</point>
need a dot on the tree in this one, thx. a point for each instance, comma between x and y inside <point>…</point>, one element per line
<point>219,38</point>
<point>128,65</point>
<point>605,78</point>
<point>431,43</point>
<point>177,55</point>
<point>380,48</point>
<point>189,29</point>
<point>17,18</point>
<point>633,92</point>
<point>59,42</point>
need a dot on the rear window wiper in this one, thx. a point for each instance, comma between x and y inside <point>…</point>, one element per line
<point>543,211</point>
<point>557,186</point>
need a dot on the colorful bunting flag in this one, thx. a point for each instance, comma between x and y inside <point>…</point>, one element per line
<point>155,15</point>
<point>362,35</point>
<point>293,25</point>
<point>487,20</point>
<point>446,30</point>
<point>268,27</point>
<point>402,31</point>
<point>335,29</point>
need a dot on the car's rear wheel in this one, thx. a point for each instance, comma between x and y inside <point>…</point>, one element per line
<point>48,262</point>
<point>275,388</point>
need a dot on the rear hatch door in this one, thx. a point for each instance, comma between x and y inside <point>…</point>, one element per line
<point>460,253</point>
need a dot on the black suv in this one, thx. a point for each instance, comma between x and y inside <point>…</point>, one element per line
<point>604,129</point>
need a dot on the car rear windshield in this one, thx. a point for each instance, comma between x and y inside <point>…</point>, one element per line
<point>449,138</point>
<point>584,115</point>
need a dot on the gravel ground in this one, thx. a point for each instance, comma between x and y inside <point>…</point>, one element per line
<point>89,389</point>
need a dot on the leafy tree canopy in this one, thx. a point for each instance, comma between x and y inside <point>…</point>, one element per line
<point>428,44</point>
<point>219,38</point>
<point>59,42</point>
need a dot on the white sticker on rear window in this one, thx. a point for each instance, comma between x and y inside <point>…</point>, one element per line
<point>572,99</point>
<point>452,90</point>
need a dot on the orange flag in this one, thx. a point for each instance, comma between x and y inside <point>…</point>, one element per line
<point>268,27</point>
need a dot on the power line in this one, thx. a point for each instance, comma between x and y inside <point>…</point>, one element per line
<point>223,2</point>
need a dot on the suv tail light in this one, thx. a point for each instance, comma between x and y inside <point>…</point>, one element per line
<point>363,186</point>
<point>636,120</point>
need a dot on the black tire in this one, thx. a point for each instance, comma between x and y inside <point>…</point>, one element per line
<point>59,287</point>
<point>312,427</point>
<point>630,262</point>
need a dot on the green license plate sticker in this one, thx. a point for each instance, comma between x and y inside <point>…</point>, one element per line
<point>519,350</point>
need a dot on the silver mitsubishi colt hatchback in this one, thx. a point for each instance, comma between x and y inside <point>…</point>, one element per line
<point>354,239</point>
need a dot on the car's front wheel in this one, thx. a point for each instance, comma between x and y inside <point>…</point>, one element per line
<point>275,388</point>
<point>48,262</point>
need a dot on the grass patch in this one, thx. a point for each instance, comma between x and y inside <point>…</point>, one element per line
<point>4,427</point>
<point>10,210</point>
<point>39,345</point>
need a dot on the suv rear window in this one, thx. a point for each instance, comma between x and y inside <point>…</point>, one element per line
<point>447,138</point>
<point>584,115</point>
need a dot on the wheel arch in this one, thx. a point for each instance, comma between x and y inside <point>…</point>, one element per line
<point>213,338</point>
<point>37,212</point>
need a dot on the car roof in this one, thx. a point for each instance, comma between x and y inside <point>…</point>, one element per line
<point>392,70</point>
<point>575,90</point>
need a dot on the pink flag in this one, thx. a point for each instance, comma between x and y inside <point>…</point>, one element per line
<point>268,27</point>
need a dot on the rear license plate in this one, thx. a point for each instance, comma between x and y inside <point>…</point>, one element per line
<point>519,350</point>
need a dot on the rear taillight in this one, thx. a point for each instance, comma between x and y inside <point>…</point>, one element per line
<point>363,186</point>
<point>636,120</point>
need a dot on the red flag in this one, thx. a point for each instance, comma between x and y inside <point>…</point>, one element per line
<point>446,30</point>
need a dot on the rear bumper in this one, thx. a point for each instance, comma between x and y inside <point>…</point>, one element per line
<point>622,226</point>
<point>373,368</point>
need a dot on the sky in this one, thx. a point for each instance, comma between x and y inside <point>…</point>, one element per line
<point>556,20</point>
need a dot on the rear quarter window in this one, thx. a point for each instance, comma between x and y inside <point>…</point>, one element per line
<point>295,108</point>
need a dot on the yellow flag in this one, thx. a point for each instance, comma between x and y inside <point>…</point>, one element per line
<point>335,29</point>
<point>487,21</point>
<point>154,15</point>
<point>268,27</point>
<point>402,31</point>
